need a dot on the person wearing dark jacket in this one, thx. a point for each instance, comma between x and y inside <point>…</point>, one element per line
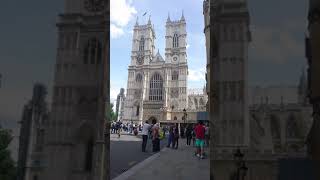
<point>189,134</point>
<point>175,137</point>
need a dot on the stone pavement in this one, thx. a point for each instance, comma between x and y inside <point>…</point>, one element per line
<point>171,164</point>
<point>124,137</point>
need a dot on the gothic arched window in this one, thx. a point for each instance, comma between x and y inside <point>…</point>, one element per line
<point>175,40</point>
<point>139,78</point>
<point>92,52</point>
<point>141,44</point>
<point>201,102</point>
<point>292,127</point>
<point>156,88</point>
<point>138,110</point>
<point>175,75</point>
<point>196,102</point>
<point>275,127</point>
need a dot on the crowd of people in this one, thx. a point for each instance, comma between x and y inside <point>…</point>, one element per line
<point>199,134</point>
<point>131,128</point>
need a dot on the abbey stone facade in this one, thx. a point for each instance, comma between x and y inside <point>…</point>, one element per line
<point>76,142</point>
<point>266,132</point>
<point>157,85</point>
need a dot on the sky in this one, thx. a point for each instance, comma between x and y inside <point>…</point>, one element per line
<point>276,53</point>
<point>123,17</point>
<point>28,44</point>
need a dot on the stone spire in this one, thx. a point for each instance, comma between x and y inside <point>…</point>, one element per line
<point>149,21</point>
<point>182,17</point>
<point>168,19</point>
<point>137,23</point>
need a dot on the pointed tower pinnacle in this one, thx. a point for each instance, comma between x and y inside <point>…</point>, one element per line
<point>182,16</point>
<point>137,23</point>
<point>149,21</point>
<point>168,19</point>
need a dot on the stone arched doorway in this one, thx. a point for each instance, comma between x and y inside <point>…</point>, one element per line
<point>152,119</point>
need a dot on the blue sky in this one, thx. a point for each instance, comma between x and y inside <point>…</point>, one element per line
<point>276,54</point>
<point>123,18</point>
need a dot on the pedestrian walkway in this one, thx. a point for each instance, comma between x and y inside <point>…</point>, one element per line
<point>171,164</point>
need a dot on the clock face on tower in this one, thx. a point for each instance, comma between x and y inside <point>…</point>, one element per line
<point>94,5</point>
<point>175,59</point>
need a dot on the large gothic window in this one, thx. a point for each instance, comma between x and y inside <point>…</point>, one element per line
<point>292,127</point>
<point>141,44</point>
<point>201,102</point>
<point>175,75</point>
<point>175,40</point>
<point>92,52</point>
<point>275,127</point>
<point>156,88</point>
<point>138,110</point>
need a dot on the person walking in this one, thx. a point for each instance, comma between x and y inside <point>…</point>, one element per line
<point>175,137</point>
<point>155,136</point>
<point>118,128</point>
<point>200,135</point>
<point>189,134</point>
<point>170,138</point>
<point>145,131</point>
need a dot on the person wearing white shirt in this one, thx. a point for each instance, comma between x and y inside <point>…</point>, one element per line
<point>145,131</point>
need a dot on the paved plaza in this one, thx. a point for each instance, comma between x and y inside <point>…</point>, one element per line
<point>125,152</point>
<point>170,164</point>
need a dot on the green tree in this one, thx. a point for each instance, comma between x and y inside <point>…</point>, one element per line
<point>7,165</point>
<point>111,115</point>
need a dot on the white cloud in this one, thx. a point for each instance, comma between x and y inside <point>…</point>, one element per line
<point>115,89</point>
<point>116,32</point>
<point>113,94</point>
<point>188,45</point>
<point>121,12</point>
<point>197,75</point>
